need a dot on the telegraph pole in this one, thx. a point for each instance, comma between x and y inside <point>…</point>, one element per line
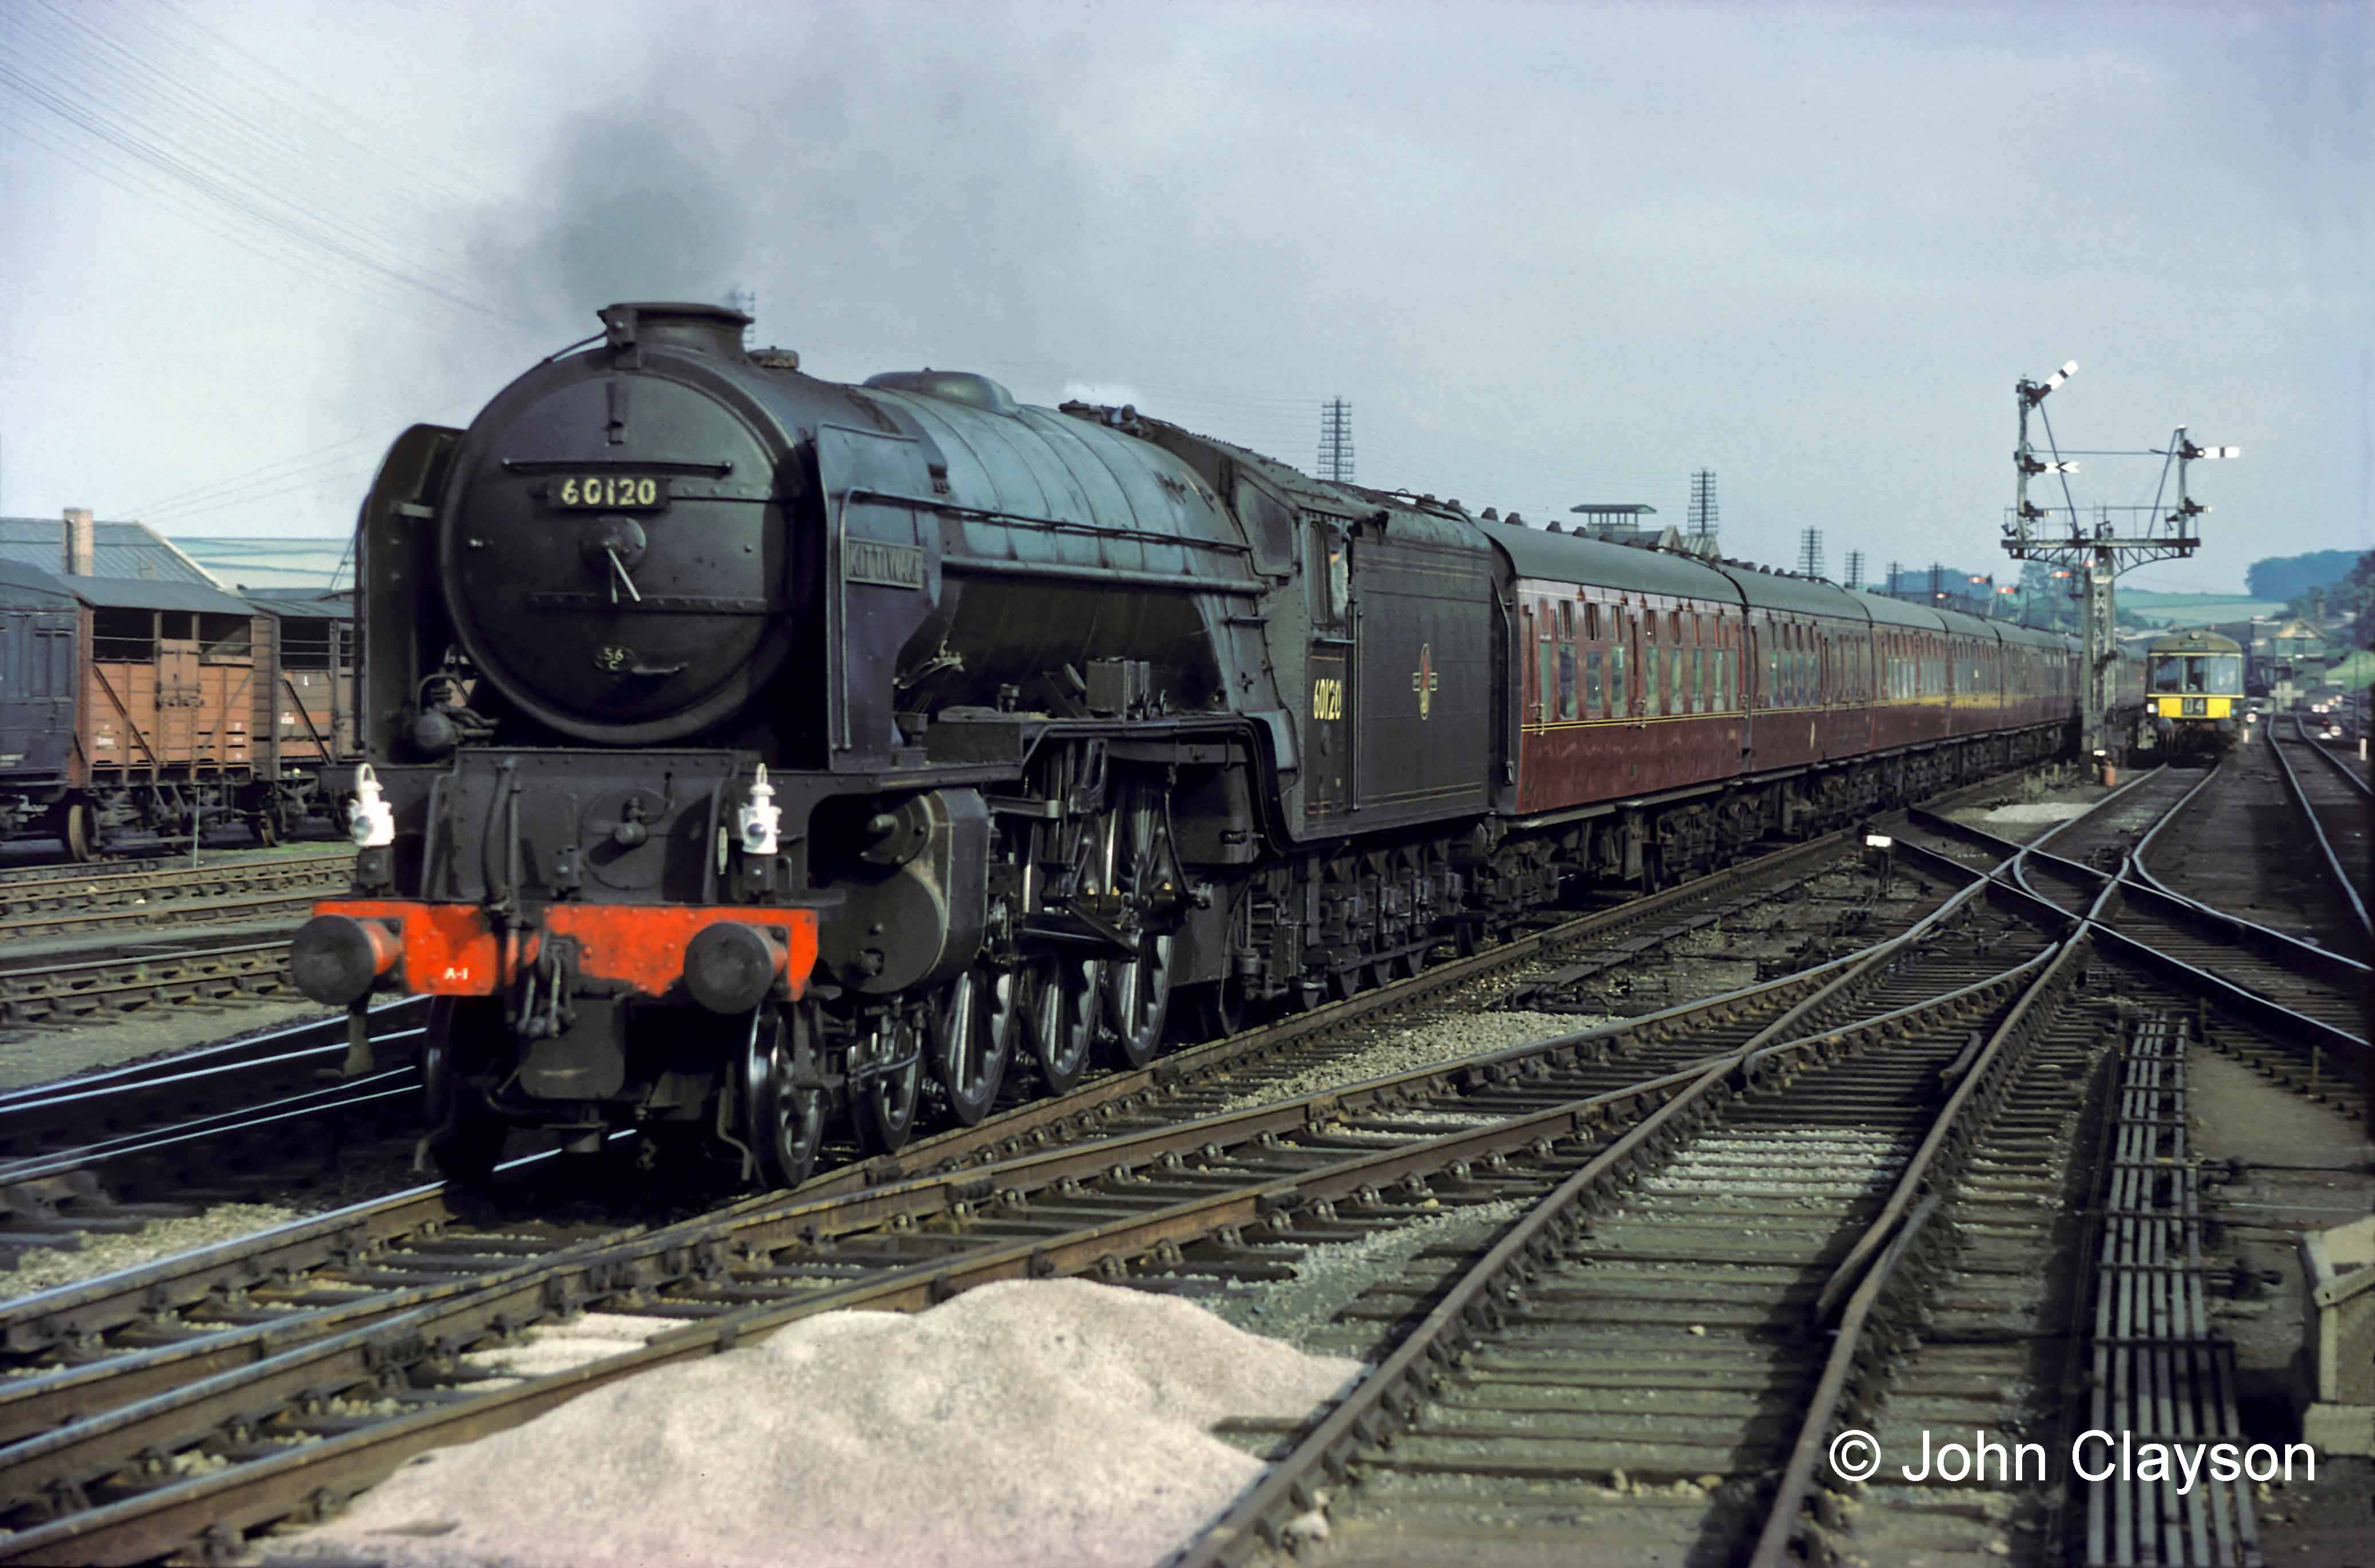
<point>1336,441</point>
<point>1855,569</point>
<point>1704,523</point>
<point>1810,552</point>
<point>2096,553</point>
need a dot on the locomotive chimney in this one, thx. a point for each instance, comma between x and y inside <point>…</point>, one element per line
<point>714,329</point>
<point>82,543</point>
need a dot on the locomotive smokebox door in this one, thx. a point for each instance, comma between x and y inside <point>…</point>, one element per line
<point>1327,578</point>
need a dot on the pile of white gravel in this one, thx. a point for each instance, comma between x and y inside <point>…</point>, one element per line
<point>1432,1044</point>
<point>1052,1422</point>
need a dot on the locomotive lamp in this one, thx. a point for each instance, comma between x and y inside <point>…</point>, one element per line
<point>761,820</point>
<point>373,825</point>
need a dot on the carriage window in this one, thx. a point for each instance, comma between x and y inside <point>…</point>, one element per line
<point>1620,693</point>
<point>1567,680</point>
<point>1699,681</point>
<point>1591,622</point>
<point>1567,619</point>
<point>124,636</point>
<point>1595,690</point>
<point>225,639</point>
<point>1526,639</point>
<point>1546,679</point>
<point>1677,686</point>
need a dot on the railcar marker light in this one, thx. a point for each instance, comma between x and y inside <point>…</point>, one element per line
<point>372,824</point>
<point>1877,841</point>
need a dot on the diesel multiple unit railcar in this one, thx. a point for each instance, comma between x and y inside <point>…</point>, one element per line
<point>2194,692</point>
<point>749,748</point>
<point>129,705</point>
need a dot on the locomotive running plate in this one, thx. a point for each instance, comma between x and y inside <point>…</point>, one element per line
<point>609,492</point>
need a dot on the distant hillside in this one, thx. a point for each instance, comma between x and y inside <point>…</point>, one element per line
<point>2287,576</point>
<point>2165,609</point>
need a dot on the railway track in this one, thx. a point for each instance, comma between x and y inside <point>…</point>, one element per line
<point>2278,887</point>
<point>92,1152</point>
<point>303,1407</point>
<point>1854,1252</point>
<point>259,1380</point>
<point>1051,1188</point>
<point>78,983</point>
<point>2335,803</point>
<point>29,898</point>
<point>240,1121</point>
<point>169,864</point>
<point>188,1124</point>
<point>2295,1012</point>
<point>1631,1361</point>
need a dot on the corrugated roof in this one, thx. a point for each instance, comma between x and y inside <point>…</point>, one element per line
<point>321,607</point>
<point>149,592</point>
<point>292,567</point>
<point>20,584</point>
<point>124,551</point>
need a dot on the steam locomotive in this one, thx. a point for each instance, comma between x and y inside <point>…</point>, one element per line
<point>751,750</point>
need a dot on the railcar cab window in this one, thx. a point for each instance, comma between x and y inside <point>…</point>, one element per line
<point>2218,675</point>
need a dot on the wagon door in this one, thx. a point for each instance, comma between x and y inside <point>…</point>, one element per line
<point>19,700</point>
<point>1328,578</point>
<point>178,695</point>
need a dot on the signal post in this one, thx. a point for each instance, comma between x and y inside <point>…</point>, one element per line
<point>2095,552</point>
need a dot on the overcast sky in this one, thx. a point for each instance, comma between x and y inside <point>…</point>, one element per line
<point>1551,254</point>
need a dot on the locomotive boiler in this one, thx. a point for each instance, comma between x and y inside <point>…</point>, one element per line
<point>751,750</point>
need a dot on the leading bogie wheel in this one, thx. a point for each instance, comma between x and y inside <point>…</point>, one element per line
<point>781,1123</point>
<point>466,1135</point>
<point>882,1109</point>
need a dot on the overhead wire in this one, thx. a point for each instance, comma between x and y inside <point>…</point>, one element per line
<point>155,118</point>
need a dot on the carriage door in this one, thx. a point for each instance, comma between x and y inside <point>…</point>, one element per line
<point>1327,577</point>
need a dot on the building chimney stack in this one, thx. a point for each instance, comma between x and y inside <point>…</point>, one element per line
<point>82,543</point>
